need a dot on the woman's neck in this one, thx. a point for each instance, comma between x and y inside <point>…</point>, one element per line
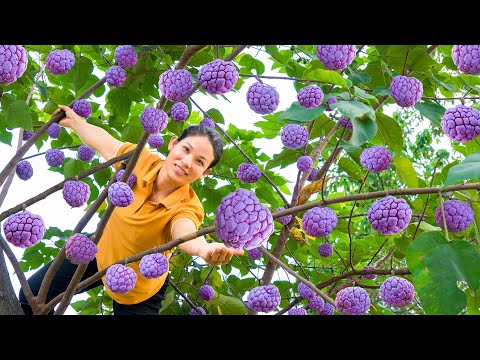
<point>162,187</point>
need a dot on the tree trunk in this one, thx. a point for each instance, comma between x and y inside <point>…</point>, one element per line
<point>9,304</point>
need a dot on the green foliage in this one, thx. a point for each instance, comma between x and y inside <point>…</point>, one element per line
<point>469,168</point>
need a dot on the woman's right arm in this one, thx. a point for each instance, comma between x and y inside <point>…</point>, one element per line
<point>93,136</point>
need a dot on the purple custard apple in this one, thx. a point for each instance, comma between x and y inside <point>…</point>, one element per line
<point>331,100</point>
<point>153,120</point>
<point>304,163</point>
<point>310,96</point>
<point>336,57</point>
<point>13,63</point>
<point>389,215</point>
<point>196,311</point>
<point>319,221</point>
<point>54,157</point>
<point>115,76</point>
<point>218,76</point>
<point>325,249</point>
<point>131,180</point>
<point>461,123</point>
<point>263,298</point>
<point>24,229</point>
<point>305,291</point>
<point>458,215</point>
<point>126,56</point>
<point>312,174</point>
<point>175,84</point>
<point>85,153</point>
<point>75,193</point>
<point>297,311</point>
<point>206,292</point>
<point>153,265</point>
<point>60,61</point>
<point>316,303</point>
<point>294,136</point>
<point>54,130</point>
<point>328,309</point>
<point>262,98</point>
<point>369,276</point>
<point>120,194</point>
<point>82,108</point>
<point>397,291</point>
<point>352,300</point>
<point>27,134</point>
<point>208,122</point>
<point>254,253</point>
<point>79,249</point>
<point>179,111</point>
<point>346,123</point>
<point>467,58</point>
<point>155,140</point>
<point>376,158</point>
<point>284,220</point>
<point>242,222</point>
<point>406,91</point>
<point>120,279</point>
<point>24,170</point>
<point>248,173</point>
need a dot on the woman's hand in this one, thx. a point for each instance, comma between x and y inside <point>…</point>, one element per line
<point>71,117</point>
<point>218,254</point>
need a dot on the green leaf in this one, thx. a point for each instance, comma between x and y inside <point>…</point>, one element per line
<point>381,91</point>
<point>18,115</point>
<point>216,115</point>
<point>351,168</point>
<point>6,137</point>
<point>120,102</point>
<point>73,167</point>
<point>354,109</point>
<point>297,112</point>
<point>437,266</point>
<point>362,94</point>
<point>363,130</point>
<point>433,112</point>
<point>469,168</point>
<point>285,158</point>
<point>389,132</point>
<point>406,172</point>
<point>81,71</point>
<point>328,76</point>
<point>229,305</point>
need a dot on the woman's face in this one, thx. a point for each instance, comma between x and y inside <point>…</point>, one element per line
<point>188,159</point>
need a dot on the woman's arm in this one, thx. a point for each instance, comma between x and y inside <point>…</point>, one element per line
<point>213,253</point>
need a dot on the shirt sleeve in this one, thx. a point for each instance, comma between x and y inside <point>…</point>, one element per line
<point>145,156</point>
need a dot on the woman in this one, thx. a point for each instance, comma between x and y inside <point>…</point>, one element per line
<point>165,207</point>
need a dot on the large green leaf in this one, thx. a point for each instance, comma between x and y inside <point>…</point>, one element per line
<point>433,112</point>
<point>18,115</point>
<point>354,109</point>
<point>120,102</point>
<point>437,265</point>
<point>328,76</point>
<point>406,172</point>
<point>469,168</point>
<point>390,132</point>
<point>297,112</point>
<point>229,305</point>
<point>363,130</point>
<point>81,71</point>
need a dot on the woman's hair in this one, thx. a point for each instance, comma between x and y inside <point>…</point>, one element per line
<point>213,136</point>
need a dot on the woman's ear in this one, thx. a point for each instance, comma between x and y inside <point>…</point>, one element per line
<point>173,141</point>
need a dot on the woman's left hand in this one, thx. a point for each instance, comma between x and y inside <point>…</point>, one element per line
<point>218,254</point>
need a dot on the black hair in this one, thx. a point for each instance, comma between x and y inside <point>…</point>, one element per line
<point>213,136</point>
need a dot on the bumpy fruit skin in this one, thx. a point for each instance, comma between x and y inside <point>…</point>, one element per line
<point>319,221</point>
<point>336,57</point>
<point>218,76</point>
<point>254,253</point>
<point>82,107</point>
<point>262,98</point>
<point>242,222</point>
<point>13,63</point>
<point>467,58</point>
<point>153,265</point>
<point>24,229</point>
<point>458,215</point>
<point>325,249</point>
<point>331,100</point>
<point>328,309</point>
<point>316,303</point>
<point>60,61</point>
<point>263,298</point>
<point>85,153</point>
<point>206,292</point>
<point>352,300</point>
<point>126,56</point>
<point>175,84</point>
<point>305,291</point>
<point>115,76</point>
<point>312,174</point>
<point>284,220</point>
<point>153,120</point>
<point>155,140</point>
<point>131,179</point>
<point>389,215</point>
<point>376,158</point>
<point>304,163</point>
<point>294,136</point>
<point>54,157</point>
<point>208,122</point>
<point>369,276</point>
<point>120,194</point>
<point>397,291</point>
<point>75,193</point>
<point>297,311</point>
<point>248,173</point>
<point>120,278</point>
<point>179,111</point>
<point>346,123</point>
<point>79,249</point>
<point>27,134</point>
<point>54,130</point>
<point>406,91</point>
<point>195,312</point>
<point>461,123</point>
<point>310,96</point>
<point>24,170</point>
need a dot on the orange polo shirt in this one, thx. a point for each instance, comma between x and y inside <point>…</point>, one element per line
<point>142,225</point>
